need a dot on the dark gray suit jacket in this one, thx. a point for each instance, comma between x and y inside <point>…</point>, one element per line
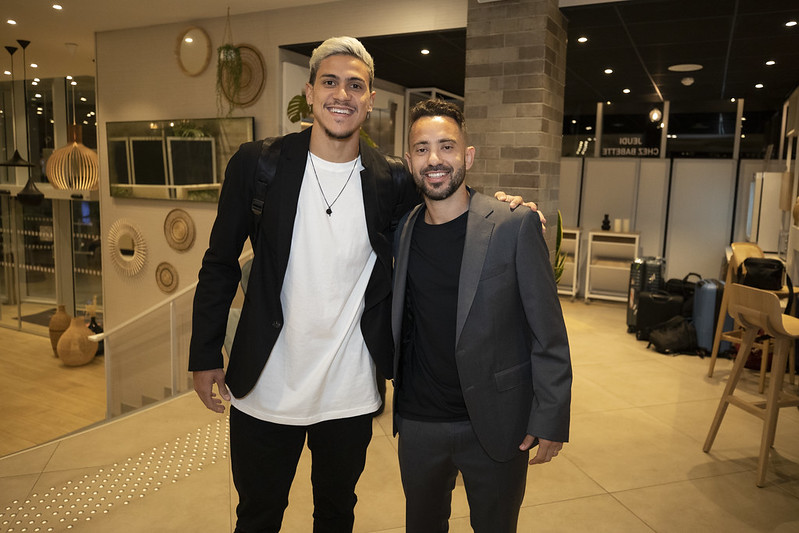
<point>512,350</point>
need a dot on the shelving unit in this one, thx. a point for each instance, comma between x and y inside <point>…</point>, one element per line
<point>608,264</point>
<point>570,245</point>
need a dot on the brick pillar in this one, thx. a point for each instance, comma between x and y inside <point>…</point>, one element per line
<point>515,75</point>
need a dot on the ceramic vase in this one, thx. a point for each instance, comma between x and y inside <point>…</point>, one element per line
<point>74,346</point>
<point>58,325</point>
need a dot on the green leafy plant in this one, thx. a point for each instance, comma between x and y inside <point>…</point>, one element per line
<point>560,257</point>
<point>228,77</point>
<point>298,108</point>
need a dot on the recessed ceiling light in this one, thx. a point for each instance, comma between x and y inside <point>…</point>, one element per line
<point>57,7</point>
<point>425,51</point>
<point>73,83</point>
<point>790,23</point>
<point>589,128</point>
<point>685,67</point>
<point>732,99</point>
<point>608,71</point>
<point>574,121</point>
<point>11,21</point>
<point>758,86</point>
<point>626,91</point>
<point>7,72</point>
<point>82,98</point>
<point>582,39</point>
<point>771,62</point>
<point>608,102</point>
<point>188,40</point>
<point>34,65</point>
<point>69,77</point>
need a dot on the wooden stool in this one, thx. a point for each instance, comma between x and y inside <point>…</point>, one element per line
<point>757,309</point>
<point>740,252</point>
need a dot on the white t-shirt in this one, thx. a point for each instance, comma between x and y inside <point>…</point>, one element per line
<point>320,368</point>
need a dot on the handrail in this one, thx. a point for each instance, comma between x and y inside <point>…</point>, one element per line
<point>100,336</point>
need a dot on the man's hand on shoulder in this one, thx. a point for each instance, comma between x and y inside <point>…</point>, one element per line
<point>547,449</point>
<point>204,387</point>
<point>516,201</point>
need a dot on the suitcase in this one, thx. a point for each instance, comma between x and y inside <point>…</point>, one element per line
<point>654,308</point>
<point>707,301</point>
<point>646,274</point>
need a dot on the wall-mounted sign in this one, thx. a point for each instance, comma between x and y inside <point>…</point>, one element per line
<point>629,145</point>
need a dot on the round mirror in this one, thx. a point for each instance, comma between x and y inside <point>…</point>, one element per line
<point>127,247</point>
<point>193,51</point>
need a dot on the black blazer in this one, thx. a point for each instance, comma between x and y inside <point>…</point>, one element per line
<point>385,201</point>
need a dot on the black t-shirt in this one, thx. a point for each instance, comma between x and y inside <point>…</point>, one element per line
<point>430,387</point>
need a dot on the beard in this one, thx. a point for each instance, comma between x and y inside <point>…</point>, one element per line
<point>440,191</point>
<point>339,136</point>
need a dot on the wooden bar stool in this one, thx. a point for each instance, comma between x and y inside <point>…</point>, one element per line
<point>757,309</point>
<point>740,252</point>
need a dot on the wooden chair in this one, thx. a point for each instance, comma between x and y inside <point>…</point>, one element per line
<point>757,309</point>
<point>740,252</point>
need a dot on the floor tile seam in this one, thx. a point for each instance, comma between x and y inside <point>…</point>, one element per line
<point>643,521</point>
<point>101,424</point>
<point>694,479</point>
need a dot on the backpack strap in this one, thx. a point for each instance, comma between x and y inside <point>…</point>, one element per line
<point>267,168</point>
<point>264,175</point>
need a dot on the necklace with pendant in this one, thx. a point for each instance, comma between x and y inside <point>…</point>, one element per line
<point>329,205</point>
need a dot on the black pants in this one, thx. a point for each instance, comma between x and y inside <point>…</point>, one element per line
<point>430,456</point>
<point>264,459</point>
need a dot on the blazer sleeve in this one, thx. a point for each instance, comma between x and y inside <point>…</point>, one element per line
<point>220,272</point>
<point>550,357</point>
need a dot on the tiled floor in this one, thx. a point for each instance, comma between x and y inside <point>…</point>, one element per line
<point>634,463</point>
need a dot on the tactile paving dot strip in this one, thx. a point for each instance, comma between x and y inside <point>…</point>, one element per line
<point>94,496</point>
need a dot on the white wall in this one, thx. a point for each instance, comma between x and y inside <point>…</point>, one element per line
<point>699,194</point>
<point>700,216</point>
<point>138,78</point>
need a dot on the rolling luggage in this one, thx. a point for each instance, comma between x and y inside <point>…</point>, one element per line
<point>707,301</point>
<point>654,308</point>
<point>646,274</point>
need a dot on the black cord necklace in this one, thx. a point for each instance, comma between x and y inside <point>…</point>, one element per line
<point>329,205</point>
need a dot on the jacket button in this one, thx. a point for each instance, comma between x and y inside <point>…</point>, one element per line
<point>276,324</point>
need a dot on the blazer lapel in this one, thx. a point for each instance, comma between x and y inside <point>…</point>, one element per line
<point>293,158</point>
<point>401,277</point>
<point>478,236</point>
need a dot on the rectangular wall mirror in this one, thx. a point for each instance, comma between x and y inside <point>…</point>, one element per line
<point>182,159</point>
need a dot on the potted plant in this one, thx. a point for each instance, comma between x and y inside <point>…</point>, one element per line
<point>560,257</point>
<point>228,76</point>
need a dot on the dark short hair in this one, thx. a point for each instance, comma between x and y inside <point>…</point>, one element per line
<point>434,107</point>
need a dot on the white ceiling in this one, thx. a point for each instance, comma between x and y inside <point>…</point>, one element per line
<point>48,29</point>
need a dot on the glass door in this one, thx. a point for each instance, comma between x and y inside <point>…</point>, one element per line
<point>49,255</point>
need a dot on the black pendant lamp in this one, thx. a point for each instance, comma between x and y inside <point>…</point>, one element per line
<point>16,160</point>
<point>30,194</point>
